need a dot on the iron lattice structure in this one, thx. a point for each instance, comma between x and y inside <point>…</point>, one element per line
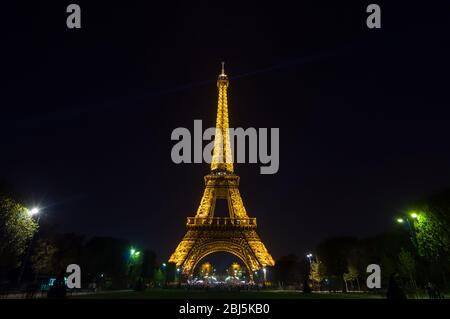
<point>235,234</point>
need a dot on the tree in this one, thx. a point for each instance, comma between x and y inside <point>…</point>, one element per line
<point>383,250</point>
<point>306,287</point>
<point>432,233</point>
<point>334,253</point>
<point>148,265</point>
<point>16,229</point>
<point>356,264</point>
<point>171,272</point>
<point>432,229</point>
<point>351,275</point>
<point>107,256</point>
<point>53,252</point>
<point>288,270</point>
<point>160,278</point>
<point>407,266</point>
<point>43,258</point>
<point>317,272</point>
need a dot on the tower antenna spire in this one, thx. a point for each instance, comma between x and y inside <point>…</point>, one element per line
<point>222,159</point>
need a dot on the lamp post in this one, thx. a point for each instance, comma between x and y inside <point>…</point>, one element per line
<point>309,256</point>
<point>164,273</point>
<point>178,277</point>
<point>409,221</point>
<point>265,278</point>
<point>134,254</point>
<point>30,212</point>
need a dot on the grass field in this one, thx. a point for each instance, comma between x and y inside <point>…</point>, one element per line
<point>202,294</point>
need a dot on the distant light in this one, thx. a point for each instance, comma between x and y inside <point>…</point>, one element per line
<point>264,269</point>
<point>414,215</point>
<point>164,264</point>
<point>178,269</point>
<point>132,251</point>
<point>400,220</point>
<point>309,255</point>
<point>33,211</point>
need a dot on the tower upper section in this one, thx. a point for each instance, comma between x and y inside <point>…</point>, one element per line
<point>222,160</point>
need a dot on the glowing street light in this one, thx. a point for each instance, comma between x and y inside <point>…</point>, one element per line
<point>309,256</point>
<point>134,253</point>
<point>30,212</point>
<point>33,211</point>
<point>409,220</point>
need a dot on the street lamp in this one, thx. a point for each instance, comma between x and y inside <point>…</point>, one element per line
<point>164,273</point>
<point>309,256</point>
<point>134,253</point>
<point>178,277</point>
<point>30,212</point>
<point>409,219</point>
<point>33,211</point>
<point>264,272</point>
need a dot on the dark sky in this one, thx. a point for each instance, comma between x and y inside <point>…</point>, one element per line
<point>86,115</point>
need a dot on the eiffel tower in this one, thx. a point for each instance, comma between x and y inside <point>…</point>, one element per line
<point>235,234</point>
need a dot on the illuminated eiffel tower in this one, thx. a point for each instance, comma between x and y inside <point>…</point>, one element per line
<point>235,234</point>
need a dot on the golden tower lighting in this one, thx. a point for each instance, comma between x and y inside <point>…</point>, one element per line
<point>207,234</point>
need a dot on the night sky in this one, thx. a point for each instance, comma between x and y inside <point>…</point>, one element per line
<point>86,115</point>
